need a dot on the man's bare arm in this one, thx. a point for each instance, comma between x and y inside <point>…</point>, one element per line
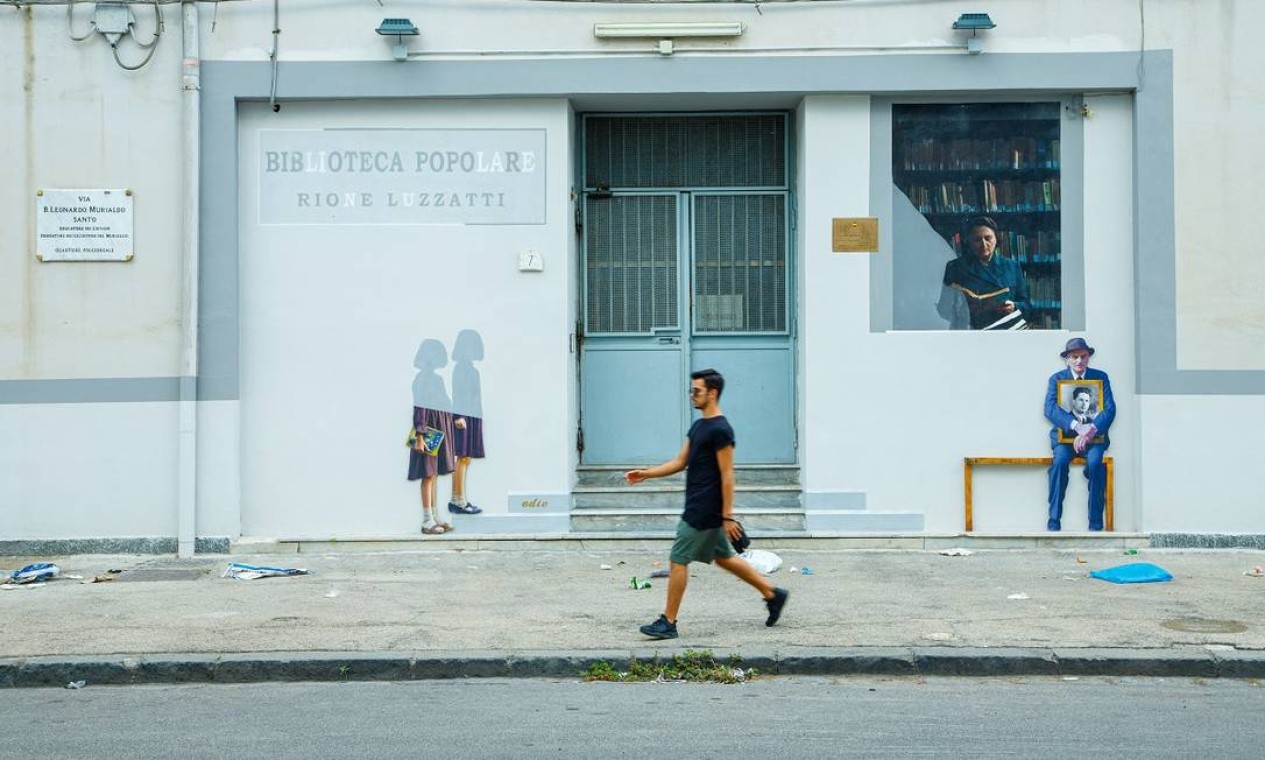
<point>725,461</point>
<point>670,467</point>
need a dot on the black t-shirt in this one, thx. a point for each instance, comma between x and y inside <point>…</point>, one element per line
<point>704,502</point>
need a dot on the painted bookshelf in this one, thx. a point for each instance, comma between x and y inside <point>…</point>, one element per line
<point>955,161</point>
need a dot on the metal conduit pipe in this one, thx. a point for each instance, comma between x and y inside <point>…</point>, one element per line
<point>187,478</point>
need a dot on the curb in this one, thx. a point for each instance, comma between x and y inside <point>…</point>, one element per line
<point>118,670</point>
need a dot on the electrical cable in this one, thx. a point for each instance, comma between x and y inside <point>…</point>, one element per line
<point>158,29</point>
<point>70,22</point>
<point>152,46</point>
<point>276,39</point>
<point>1141,43</point>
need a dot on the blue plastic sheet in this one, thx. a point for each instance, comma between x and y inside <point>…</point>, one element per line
<point>1134,572</point>
<point>35,573</point>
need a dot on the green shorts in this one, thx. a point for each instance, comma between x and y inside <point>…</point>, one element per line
<point>694,545</point>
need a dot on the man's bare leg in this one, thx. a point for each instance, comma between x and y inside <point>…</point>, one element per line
<point>743,569</point>
<point>774,598</point>
<point>678,579</point>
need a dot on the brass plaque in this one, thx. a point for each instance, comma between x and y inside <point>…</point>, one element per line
<point>854,234</point>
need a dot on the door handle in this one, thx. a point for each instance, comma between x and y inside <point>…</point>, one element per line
<point>668,341</point>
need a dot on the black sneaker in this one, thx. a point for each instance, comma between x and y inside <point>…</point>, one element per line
<point>660,629</point>
<point>775,604</point>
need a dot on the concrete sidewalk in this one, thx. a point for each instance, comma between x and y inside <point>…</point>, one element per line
<point>447,613</point>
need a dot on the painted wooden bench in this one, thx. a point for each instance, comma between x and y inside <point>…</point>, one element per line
<point>968,466</point>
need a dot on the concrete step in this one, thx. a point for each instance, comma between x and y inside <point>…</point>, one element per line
<point>744,474</point>
<point>669,497</point>
<point>659,540</point>
<point>851,521</point>
<point>617,520</point>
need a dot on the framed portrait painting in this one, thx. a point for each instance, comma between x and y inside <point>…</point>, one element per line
<point>1083,400</point>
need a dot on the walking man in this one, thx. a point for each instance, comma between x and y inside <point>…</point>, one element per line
<point>1088,433</point>
<point>706,528</point>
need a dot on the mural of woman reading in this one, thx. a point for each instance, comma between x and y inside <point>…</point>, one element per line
<point>981,287</point>
<point>431,437</point>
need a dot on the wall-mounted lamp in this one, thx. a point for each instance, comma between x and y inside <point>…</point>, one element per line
<point>666,31</point>
<point>398,28</point>
<point>974,22</point>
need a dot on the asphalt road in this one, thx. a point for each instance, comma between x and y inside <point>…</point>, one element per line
<point>762,720</point>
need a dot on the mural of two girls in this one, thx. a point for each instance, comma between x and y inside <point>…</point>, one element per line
<point>447,431</point>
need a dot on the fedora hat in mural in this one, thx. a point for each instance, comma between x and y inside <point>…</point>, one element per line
<point>1076,344</point>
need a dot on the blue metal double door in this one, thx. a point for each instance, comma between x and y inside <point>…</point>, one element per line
<point>675,281</point>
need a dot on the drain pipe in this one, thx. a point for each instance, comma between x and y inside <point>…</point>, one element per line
<point>187,476</point>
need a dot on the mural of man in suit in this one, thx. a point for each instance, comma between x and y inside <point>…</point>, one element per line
<point>1090,441</point>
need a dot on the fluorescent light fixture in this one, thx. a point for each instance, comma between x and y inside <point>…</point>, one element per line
<point>667,29</point>
<point>397,26</point>
<point>974,21</point>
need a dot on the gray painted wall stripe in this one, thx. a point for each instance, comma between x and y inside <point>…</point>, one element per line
<point>1155,275</point>
<point>91,390</point>
<point>218,359</point>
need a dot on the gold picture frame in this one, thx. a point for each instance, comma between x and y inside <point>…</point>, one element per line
<point>1071,398</point>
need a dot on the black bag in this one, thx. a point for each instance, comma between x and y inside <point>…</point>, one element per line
<point>740,543</point>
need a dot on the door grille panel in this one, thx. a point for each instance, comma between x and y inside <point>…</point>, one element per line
<point>739,263</point>
<point>685,151</point>
<point>630,263</point>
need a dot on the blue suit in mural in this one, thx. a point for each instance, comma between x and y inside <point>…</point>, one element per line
<point>1088,431</point>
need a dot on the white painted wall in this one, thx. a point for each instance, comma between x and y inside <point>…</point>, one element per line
<point>75,120</point>
<point>332,316</point>
<point>1204,475</point>
<point>464,28</point>
<point>1218,120</point>
<point>87,470</point>
<point>873,403</point>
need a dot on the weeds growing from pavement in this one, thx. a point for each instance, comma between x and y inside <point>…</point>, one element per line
<point>693,665</point>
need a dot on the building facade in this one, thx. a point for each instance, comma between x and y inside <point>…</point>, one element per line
<point>247,240</point>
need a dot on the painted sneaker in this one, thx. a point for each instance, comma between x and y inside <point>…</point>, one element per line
<point>465,509</point>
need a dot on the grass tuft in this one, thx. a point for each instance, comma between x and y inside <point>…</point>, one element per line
<point>696,666</point>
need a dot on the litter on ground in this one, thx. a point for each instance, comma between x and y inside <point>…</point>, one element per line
<point>764,561</point>
<point>957,552</point>
<point>244,572</point>
<point>1018,596</point>
<point>35,572</point>
<point>1134,572</point>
